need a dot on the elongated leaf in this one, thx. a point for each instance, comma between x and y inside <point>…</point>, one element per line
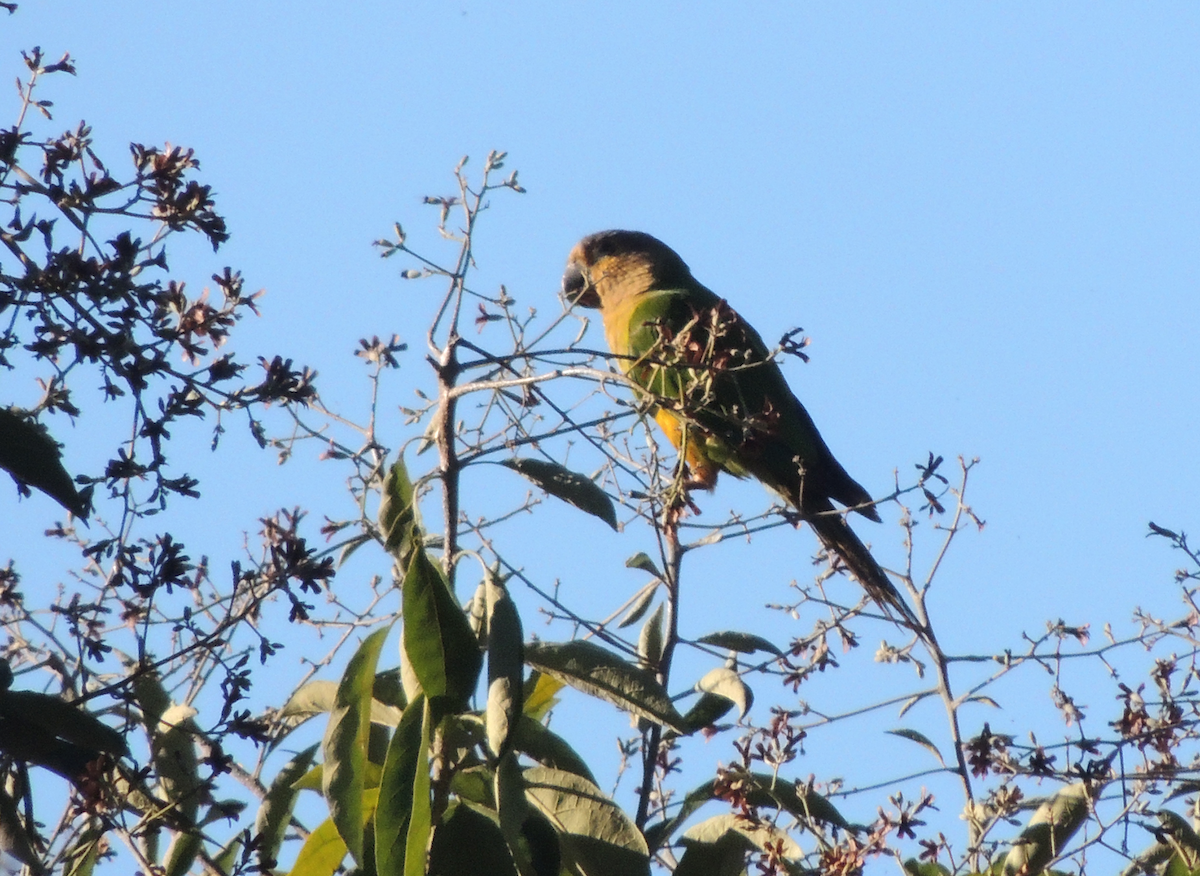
<point>344,748</point>
<point>506,667</point>
<point>399,516</point>
<point>650,642</point>
<point>80,858</point>
<point>1049,830</point>
<point>182,853</point>
<point>594,834</point>
<point>724,682</point>
<point>797,800</point>
<point>175,761</point>
<point>913,867</point>
<point>645,597</point>
<point>746,643</point>
<point>919,738</point>
<point>408,753</point>
<point>14,838</point>
<point>513,811</point>
<point>580,491</point>
<point>469,843</point>
<point>420,820</point>
<point>322,853</point>
<point>441,649</point>
<point>596,671</point>
<point>30,455</point>
<point>641,560</point>
<point>275,813</point>
<point>537,741</point>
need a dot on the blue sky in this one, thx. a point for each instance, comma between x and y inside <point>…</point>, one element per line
<point>985,216</point>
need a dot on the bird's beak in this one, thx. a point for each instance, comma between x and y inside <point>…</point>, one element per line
<point>578,288</point>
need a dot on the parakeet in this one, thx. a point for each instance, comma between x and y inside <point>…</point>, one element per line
<point>717,393</point>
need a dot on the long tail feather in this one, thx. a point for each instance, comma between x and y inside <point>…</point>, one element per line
<point>837,536</point>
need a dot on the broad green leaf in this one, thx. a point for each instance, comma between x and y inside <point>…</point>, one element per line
<point>746,643</point>
<point>14,838</point>
<point>476,786</point>
<point>725,857</point>
<point>594,834</point>
<point>724,682</point>
<point>226,860</point>
<point>514,813</point>
<point>420,821</point>
<point>407,755</point>
<point>441,649</point>
<point>182,853</point>
<point>594,670</point>
<point>30,455</point>
<point>712,830</point>
<point>344,748</point>
<point>919,738</point>
<point>275,813</point>
<point>1049,830</point>
<point>469,843</point>
<point>322,853</point>
<point>578,490</point>
<point>541,694</point>
<point>768,790</point>
<point>650,642</point>
<point>532,738</point>
<point>641,560</point>
<point>399,516</point>
<point>644,598</point>
<point>506,667</point>
<point>175,762</point>
<point>707,710</point>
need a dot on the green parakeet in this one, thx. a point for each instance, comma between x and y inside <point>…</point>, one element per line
<point>717,393</point>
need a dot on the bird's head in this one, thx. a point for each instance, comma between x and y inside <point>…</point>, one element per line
<point>627,262</point>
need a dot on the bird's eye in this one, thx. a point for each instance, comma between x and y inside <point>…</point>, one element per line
<point>576,287</point>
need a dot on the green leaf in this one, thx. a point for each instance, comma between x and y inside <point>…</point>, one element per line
<point>14,838</point>
<point>322,853</point>
<point>532,738</point>
<point>344,748</point>
<point>650,642</point>
<point>182,853</point>
<point>596,671</point>
<point>80,858</point>
<point>420,821</point>
<point>919,738</point>
<point>30,455</point>
<point>1181,835</point>
<point>404,791</point>
<point>1049,830</point>
<point>725,857</point>
<point>594,834</point>
<point>766,790</point>
<point>441,649</point>
<point>707,710</point>
<point>712,830</point>
<point>644,598</point>
<point>580,491</point>
<point>513,811</point>
<point>275,813</point>
<point>641,560</point>
<point>541,694</point>
<point>399,516</point>
<point>175,761</point>
<point>724,682</point>
<point>746,643</point>
<point>469,843</point>
<point>506,667</point>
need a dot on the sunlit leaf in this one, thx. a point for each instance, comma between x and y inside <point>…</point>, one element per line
<point>506,667</point>
<point>275,813</point>
<point>1049,831</point>
<point>442,650</point>
<point>725,682</point>
<point>919,738</point>
<point>344,749</point>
